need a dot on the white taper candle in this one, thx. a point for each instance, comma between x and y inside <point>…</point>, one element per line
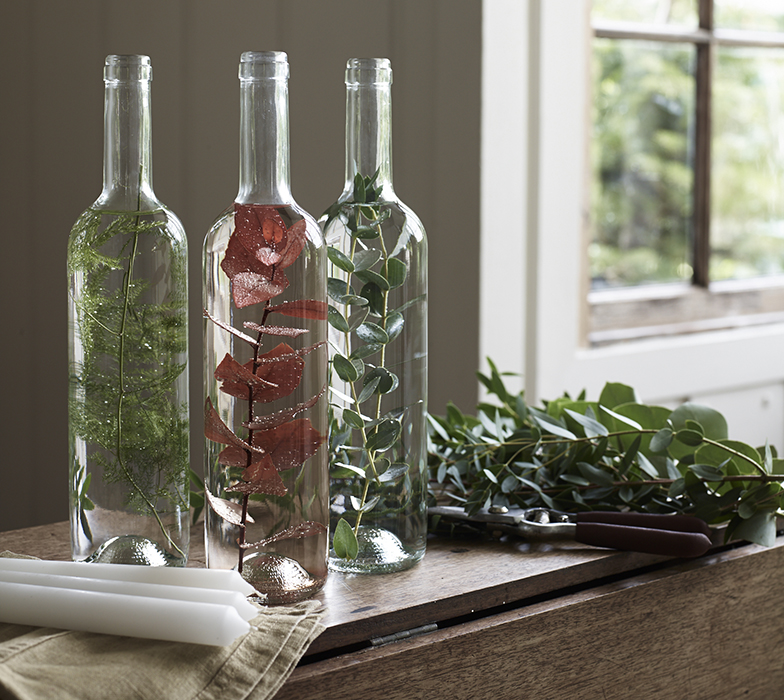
<point>125,615</point>
<point>200,578</point>
<point>239,602</point>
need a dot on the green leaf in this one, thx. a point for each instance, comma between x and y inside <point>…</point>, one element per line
<point>371,333</point>
<point>706,472</point>
<point>661,441</point>
<point>592,427</point>
<point>357,318</point>
<point>716,456</point>
<point>551,427</point>
<point>647,466</point>
<point>345,368</point>
<point>338,289</point>
<point>359,193</point>
<point>384,436</point>
<point>364,507</point>
<point>337,320</point>
<point>340,259</point>
<point>616,421</point>
<point>689,437</point>
<point>394,325</point>
<point>395,472</point>
<point>615,394</point>
<point>365,232</point>
<point>373,278</point>
<point>344,541</point>
<point>595,474</point>
<point>366,350</point>
<point>713,423</point>
<point>365,259</point>
<point>387,381</point>
<point>375,298</point>
<point>353,418</point>
<point>677,488</point>
<point>368,390</point>
<point>395,272</point>
<point>759,529</point>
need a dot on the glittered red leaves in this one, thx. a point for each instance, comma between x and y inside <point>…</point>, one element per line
<point>273,441</point>
<point>276,374</point>
<point>260,248</point>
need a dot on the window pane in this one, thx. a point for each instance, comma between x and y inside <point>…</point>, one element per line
<point>747,178</point>
<point>641,156</point>
<point>756,15</point>
<point>673,12</point>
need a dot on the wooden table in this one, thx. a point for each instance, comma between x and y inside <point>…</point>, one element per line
<point>505,620</point>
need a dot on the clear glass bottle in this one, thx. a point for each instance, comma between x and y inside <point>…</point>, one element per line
<point>378,338</point>
<point>128,354</point>
<point>265,334</point>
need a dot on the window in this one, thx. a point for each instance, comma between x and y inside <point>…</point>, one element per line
<point>687,161</point>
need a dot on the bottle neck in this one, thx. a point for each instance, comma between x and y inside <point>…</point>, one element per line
<point>369,123</point>
<point>127,144</point>
<point>264,129</point>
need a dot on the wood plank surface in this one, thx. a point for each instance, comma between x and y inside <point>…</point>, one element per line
<point>710,628</point>
<point>456,578</point>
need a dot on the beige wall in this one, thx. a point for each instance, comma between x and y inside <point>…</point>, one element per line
<point>51,57</point>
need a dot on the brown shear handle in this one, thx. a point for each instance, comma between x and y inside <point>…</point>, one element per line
<point>648,540</point>
<point>682,523</point>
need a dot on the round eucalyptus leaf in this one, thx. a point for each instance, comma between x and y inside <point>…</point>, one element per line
<point>366,350</point>
<point>337,289</point>
<point>396,271</point>
<point>367,391</point>
<point>365,259</point>
<point>366,233</point>
<point>337,320</point>
<point>344,542</point>
<point>381,464</point>
<point>689,437</point>
<point>384,436</point>
<point>358,317</point>
<point>340,259</point>
<point>372,333</point>
<point>394,325</point>
<point>375,298</point>
<point>353,419</point>
<point>377,279</point>
<point>345,368</point>
<point>395,472</point>
<point>387,381</point>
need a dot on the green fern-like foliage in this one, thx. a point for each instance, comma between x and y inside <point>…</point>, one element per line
<point>130,353</point>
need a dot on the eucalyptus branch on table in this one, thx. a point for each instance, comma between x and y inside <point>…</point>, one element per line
<point>612,454</point>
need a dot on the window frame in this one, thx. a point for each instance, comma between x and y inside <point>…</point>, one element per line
<point>615,314</point>
<point>534,231</point>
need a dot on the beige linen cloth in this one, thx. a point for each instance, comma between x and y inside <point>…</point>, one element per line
<point>41,663</point>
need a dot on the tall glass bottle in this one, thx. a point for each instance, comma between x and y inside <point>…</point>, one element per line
<point>128,355</point>
<point>265,333</point>
<point>378,338</point>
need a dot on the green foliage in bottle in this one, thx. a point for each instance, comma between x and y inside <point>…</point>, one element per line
<point>130,348</point>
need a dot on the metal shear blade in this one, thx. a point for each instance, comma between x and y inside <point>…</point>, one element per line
<point>668,535</point>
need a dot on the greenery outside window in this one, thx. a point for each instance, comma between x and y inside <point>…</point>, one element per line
<point>687,154</point>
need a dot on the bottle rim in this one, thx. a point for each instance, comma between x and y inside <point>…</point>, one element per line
<point>264,65</point>
<point>364,71</point>
<point>126,68</point>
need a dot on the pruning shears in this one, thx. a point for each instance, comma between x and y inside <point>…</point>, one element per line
<point>650,533</point>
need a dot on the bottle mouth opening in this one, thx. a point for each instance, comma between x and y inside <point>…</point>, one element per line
<point>264,65</point>
<point>366,71</point>
<point>125,68</point>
